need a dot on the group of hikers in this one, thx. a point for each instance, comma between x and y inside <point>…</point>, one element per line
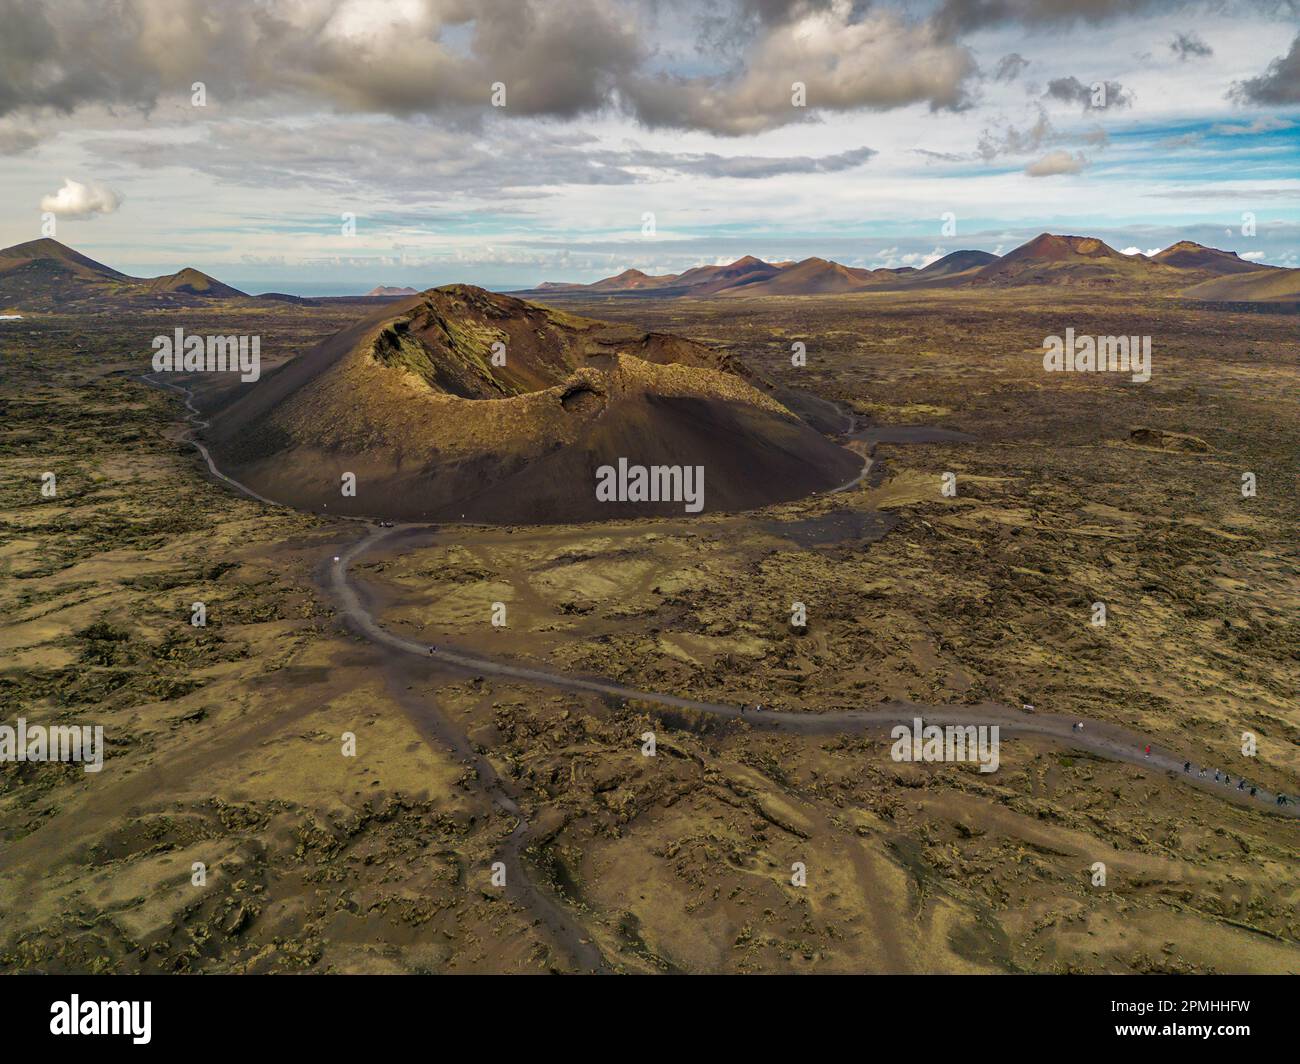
<point>1219,777</point>
<point>1226,780</point>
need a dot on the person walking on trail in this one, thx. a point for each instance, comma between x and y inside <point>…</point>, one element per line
<point>1187,766</point>
<point>1252,792</point>
<point>1148,750</point>
<point>1216,775</point>
<point>1241,786</point>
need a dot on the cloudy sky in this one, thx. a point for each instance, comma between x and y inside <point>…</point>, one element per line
<point>240,136</point>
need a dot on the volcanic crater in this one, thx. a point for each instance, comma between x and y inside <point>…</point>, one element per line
<point>460,403</point>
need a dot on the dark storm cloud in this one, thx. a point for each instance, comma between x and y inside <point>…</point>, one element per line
<point>560,59</point>
<point>443,57</point>
<point>1072,90</point>
<point>1279,84</point>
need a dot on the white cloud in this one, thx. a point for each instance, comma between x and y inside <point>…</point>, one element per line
<point>891,259</point>
<point>1057,162</point>
<point>77,200</point>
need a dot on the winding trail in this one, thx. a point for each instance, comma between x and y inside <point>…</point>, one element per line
<point>436,726</point>
<point>1097,737</point>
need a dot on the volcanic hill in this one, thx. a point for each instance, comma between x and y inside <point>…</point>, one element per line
<point>1189,255</point>
<point>411,401</point>
<point>1070,260</point>
<point>47,275</point>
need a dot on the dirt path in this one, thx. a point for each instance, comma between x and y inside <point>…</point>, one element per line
<point>1098,737</point>
<point>1106,740</point>
<point>435,727</point>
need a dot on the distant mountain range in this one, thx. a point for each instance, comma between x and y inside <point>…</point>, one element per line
<point>1199,271</point>
<point>48,275</point>
<point>45,275</point>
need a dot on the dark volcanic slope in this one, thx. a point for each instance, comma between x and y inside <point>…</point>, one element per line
<point>410,402</point>
<point>956,262</point>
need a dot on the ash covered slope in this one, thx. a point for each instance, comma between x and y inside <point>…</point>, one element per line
<point>409,400</point>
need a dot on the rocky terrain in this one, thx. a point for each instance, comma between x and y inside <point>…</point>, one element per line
<point>227,744</point>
